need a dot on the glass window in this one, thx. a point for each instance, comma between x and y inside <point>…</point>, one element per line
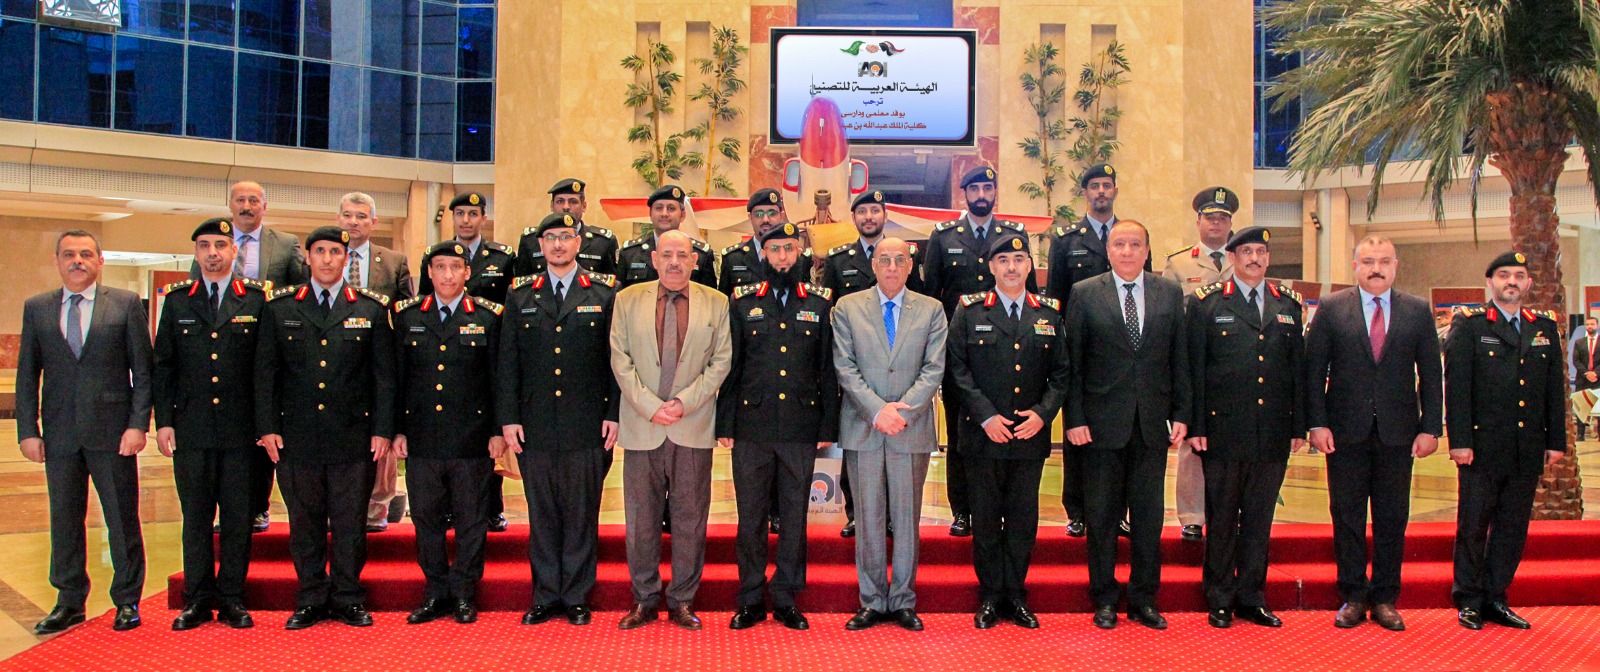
<point>16,60</point>
<point>436,139</point>
<point>362,32</point>
<point>388,34</point>
<point>318,40</point>
<point>1279,131</point>
<point>881,13</point>
<point>331,107</point>
<point>391,114</point>
<point>268,102</point>
<point>211,21</point>
<point>80,77</point>
<point>210,90</point>
<point>161,18</point>
<point>438,39</point>
<point>149,98</point>
<point>475,55</point>
<point>475,122</point>
<point>22,9</point>
<point>270,25</point>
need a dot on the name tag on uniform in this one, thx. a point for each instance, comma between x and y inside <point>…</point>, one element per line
<point>472,330</point>
<point>955,250</point>
<point>1285,319</point>
<point>636,264</point>
<point>1540,340</point>
<point>243,319</point>
<point>1224,319</point>
<point>491,274</point>
<point>1194,280</point>
<point>588,309</point>
<point>1074,253</point>
<point>357,323</point>
<point>417,329</point>
<point>291,324</point>
<point>530,311</point>
<point>1489,339</point>
<point>740,268</point>
<point>589,256</point>
<point>186,321</point>
<point>1044,329</point>
<point>807,316</point>
<point>983,327</point>
<point>849,271</point>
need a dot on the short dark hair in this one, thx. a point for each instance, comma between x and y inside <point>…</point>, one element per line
<point>79,233</point>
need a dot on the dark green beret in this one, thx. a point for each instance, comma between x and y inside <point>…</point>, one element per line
<point>332,233</point>
<point>1507,259</point>
<point>1254,234</point>
<point>764,197</point>
<point>786,230</point>
<point>449,248</point>
<point>571,185</point>
<point>1216,199</point>
<point>1098,170</point>
<point>1009,241</point>
<point>978,175</point>
<point>667,192</point>
<point>216,226</point>
<point>867,197</point>
<point>471,198</point>
<point>555,220</point>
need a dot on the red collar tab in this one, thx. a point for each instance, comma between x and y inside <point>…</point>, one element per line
<point>1274,289</point>
<point>1194,252</point>
<point>238,287</point>
<point>466,305</point>
<point>1033,301</point>
<point>350,294</point>
<point>304,291</point>
<point>194,288</point>
<point>427,303</point>
<point>1227,289</point>
<point>583,279</point>
<point>800,290</point>
<point>762,291</point>
<point>538,281</point>
<point>1527,315</point>
<point>988,300</point>
<point>1493,312</point>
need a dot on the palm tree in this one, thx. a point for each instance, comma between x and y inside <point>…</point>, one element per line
<point>1457,84</point>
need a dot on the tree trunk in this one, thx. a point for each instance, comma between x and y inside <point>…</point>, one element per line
<point>1527,138</point>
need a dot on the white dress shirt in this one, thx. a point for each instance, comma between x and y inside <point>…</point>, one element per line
<point>1367,308</point>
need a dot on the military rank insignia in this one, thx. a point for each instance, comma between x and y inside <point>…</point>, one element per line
<point>1539,340</point>
<point>587,309</point>
<point>243,319</point>
<point>1044,328</point>
<point>358,323</point>
<point>807,316</point>
<point>472,330</point>
<point>1285,319</point>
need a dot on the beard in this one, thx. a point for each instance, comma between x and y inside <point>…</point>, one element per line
<point>980,208</point>
<point>781,281</point>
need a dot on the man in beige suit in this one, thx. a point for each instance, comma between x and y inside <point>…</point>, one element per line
<point>670,351</point>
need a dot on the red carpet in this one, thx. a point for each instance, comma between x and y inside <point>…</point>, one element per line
<point>1563,638</point>
<point>1559,569</point>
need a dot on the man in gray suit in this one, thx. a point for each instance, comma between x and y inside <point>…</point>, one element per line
<point>888,349</point>
<point>90,346</point>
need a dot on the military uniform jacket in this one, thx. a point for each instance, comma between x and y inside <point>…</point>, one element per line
<point>781,386</point>
<point>597,253</point>
<point>1001,366</point>
<point>848,270</point>
<point>1076,254</point>
<point>634,267</point>
<point>741,265</point>
<point>1505,392</point>
<point>956,264</point>
<point>205,364</point>
<point>447,408</point>
<point>1249,392</point>
<point>557,361</point>
<point>325,382</point>
<point>1193,269</point>
<point>491,273</point>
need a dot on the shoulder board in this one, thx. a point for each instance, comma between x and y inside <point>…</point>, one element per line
<point>1014,226</point>
<point>489,305</point>
<point>530,230</point>
<point>519,281</point>
<point>913,245</point>
<point>380,298</point>
<point>806,253</point>
<point>1467,311</point>
<point>1549,315</point>
<point>745,290</point>
<point>400,306</point>
<point>1202,292</point>
<point>1290,294</point>
<point>819,290</point>
<point>286,291</point>
<point>946,225</point>
<point>1186,249</point>
<point>700,245</point>
<point>729,249</point>
<point>177,285</point>
<point>969,299</point>
<point>498,247</point>
<point>265,286</point>
<point>604,232</point>
<point>840,249</point>
<point>635,242</point>
<point>601,278</point>
<point>1055,304</point>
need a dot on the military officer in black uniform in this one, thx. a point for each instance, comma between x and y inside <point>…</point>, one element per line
<point>1246,346</point>
<point>325,406</point>
<point>491,263</point>
<point>1007,354</point>
<point>1505,395</point>
<point>778,406</point>
<point>556,347</point>
<point>445,428</point>
<point>956,264</point>
<point>598,252</point>
<point>741,263</point>
<point>666,214</point>
<point>204,396</point>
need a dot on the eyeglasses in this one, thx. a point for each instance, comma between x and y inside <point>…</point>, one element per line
<point>763,212</point>
<point>558,238</point>
<point>897,260</point>
<point>774,249</point>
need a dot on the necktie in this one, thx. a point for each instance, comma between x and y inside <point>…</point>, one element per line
<point>1216,260</point>
<point>783,300</point>
<point>1516,325</point>
<point>561,293</point>
<point>1255,306</point>
<point>888,321</point>
<point>1130,315</point>
<point>1015,314</point>
<point>216,301</point>
<point>352,274</point>
<point>327,302</point>
<point>75,325</point>
<point>1378,331</point>
<point>1103,231</point>
<point>869,252</point>
<point>1591,353</point>
<point>241,265</point>
<point>982,232</point>
<point>444,314</point>
<point>669,345</point>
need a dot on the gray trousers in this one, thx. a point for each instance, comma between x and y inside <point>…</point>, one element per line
<point>888,489</point>
<point>647,476</point>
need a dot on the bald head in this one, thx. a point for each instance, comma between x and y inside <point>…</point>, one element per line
<point>673,259</point>
<point>891,262</point>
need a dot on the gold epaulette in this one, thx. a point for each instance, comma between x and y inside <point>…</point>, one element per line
<point>607,280</point>
<point>401,306</point>
<point>530,230</point>
<point>263,285</point>
<point>1469,311</point>
<point>286,291</point>
<point>1291,294</point>
<point>382,299</point>
<point>497,246</point>
<point>1186,249</point>
<point>842,249</point>
<point>1549,315</point>
<point>700,245</point>
<point>1015,226</point>
<point>490,305</point>
<point>522,280</point>
<point>1055,304</point>
<point>604,232</point>
<point>1202,292</point>
<point>819,290</point>
<point>729,249</point>
<point>746,290</point>
<point>945,226</point>
<point>969,299</point>
<point>177,285</point>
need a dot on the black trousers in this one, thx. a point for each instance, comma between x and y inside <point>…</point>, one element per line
<point>215,483</point>
<point>1005,524</point>
<point>756,465</point>
<point>563,488</point>
<point>324,498</point>
<point>116,479</point>
<point>456,488</point>
<point>955,464</point>
<point>1241,500</point>
<point>1362,474</point>
<point>494,501</point>
<point>262,470</point>
<point>1072,482</point>
<point>1492,514</point>
<point>1132,479</point>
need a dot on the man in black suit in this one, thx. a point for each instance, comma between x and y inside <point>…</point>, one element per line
<point>1586,356</point>
<point>205,396</point>
<point>1381,406</point>
<point>555,355</point>
<point>598,247</point>
<point>1009,359</point>
<point>1495,354</point>
<point>90,346</point>
<point>325,405</point>
<point>1129,399</point>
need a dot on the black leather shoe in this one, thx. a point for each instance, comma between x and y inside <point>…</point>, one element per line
<point>1470,619</point>
<point>772,525</point>
<point>353,614</point>
<point>1192,533</point>
<point>747,617</point>
<point>987,617</point>
<point>1076,528</point>
<point>430,610</point>
<point>1260,616</point>
<point>1123,530</point>
<point>60,619</point>
<point>907,618</point>
<point>864,619</point>
<point>1023,616</point>
<point>1148,617</point>
<point>1500,612</point>
<point>235,616</point>
<point>1105,617</point>
<point>305,617</point>
<point>579,614</point>
<point>127,618</point>
<point>849,529</point>
<point>962,527</point>
<point>260,523</point>
<point>791,618</point>
<point>380,526</point>
<point>1219,618</point>
<point>191,617</point>
<point>541,613</point>
<point>497,523</point>
<point>465,612</point>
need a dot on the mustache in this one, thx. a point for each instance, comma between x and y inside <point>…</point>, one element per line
<point>1376,276</point>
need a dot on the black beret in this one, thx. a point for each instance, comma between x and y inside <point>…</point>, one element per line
<point>667,192</point>
<point>571,185</point>
<point>1507,259</point>
<point>1254,234</point>
<point>978,174</point>
<point>1097,170</point>
<point>1216,199</point>
<point>764,197</point>
<point>448,248</point>
<point>1007,241</point>
<point>785,230</point>
<point>217,226</point>
<point>471,198</point>
<point>865,198</point>
<point>555,220</point>
<point>332,233</point>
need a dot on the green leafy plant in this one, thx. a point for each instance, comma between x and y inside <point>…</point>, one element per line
<point>727,56</point>
<point>664,157</point>
<point>1045,95</point>
<point>1092,131</point>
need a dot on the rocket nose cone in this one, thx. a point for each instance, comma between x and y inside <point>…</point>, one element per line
<point>822,138</point>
